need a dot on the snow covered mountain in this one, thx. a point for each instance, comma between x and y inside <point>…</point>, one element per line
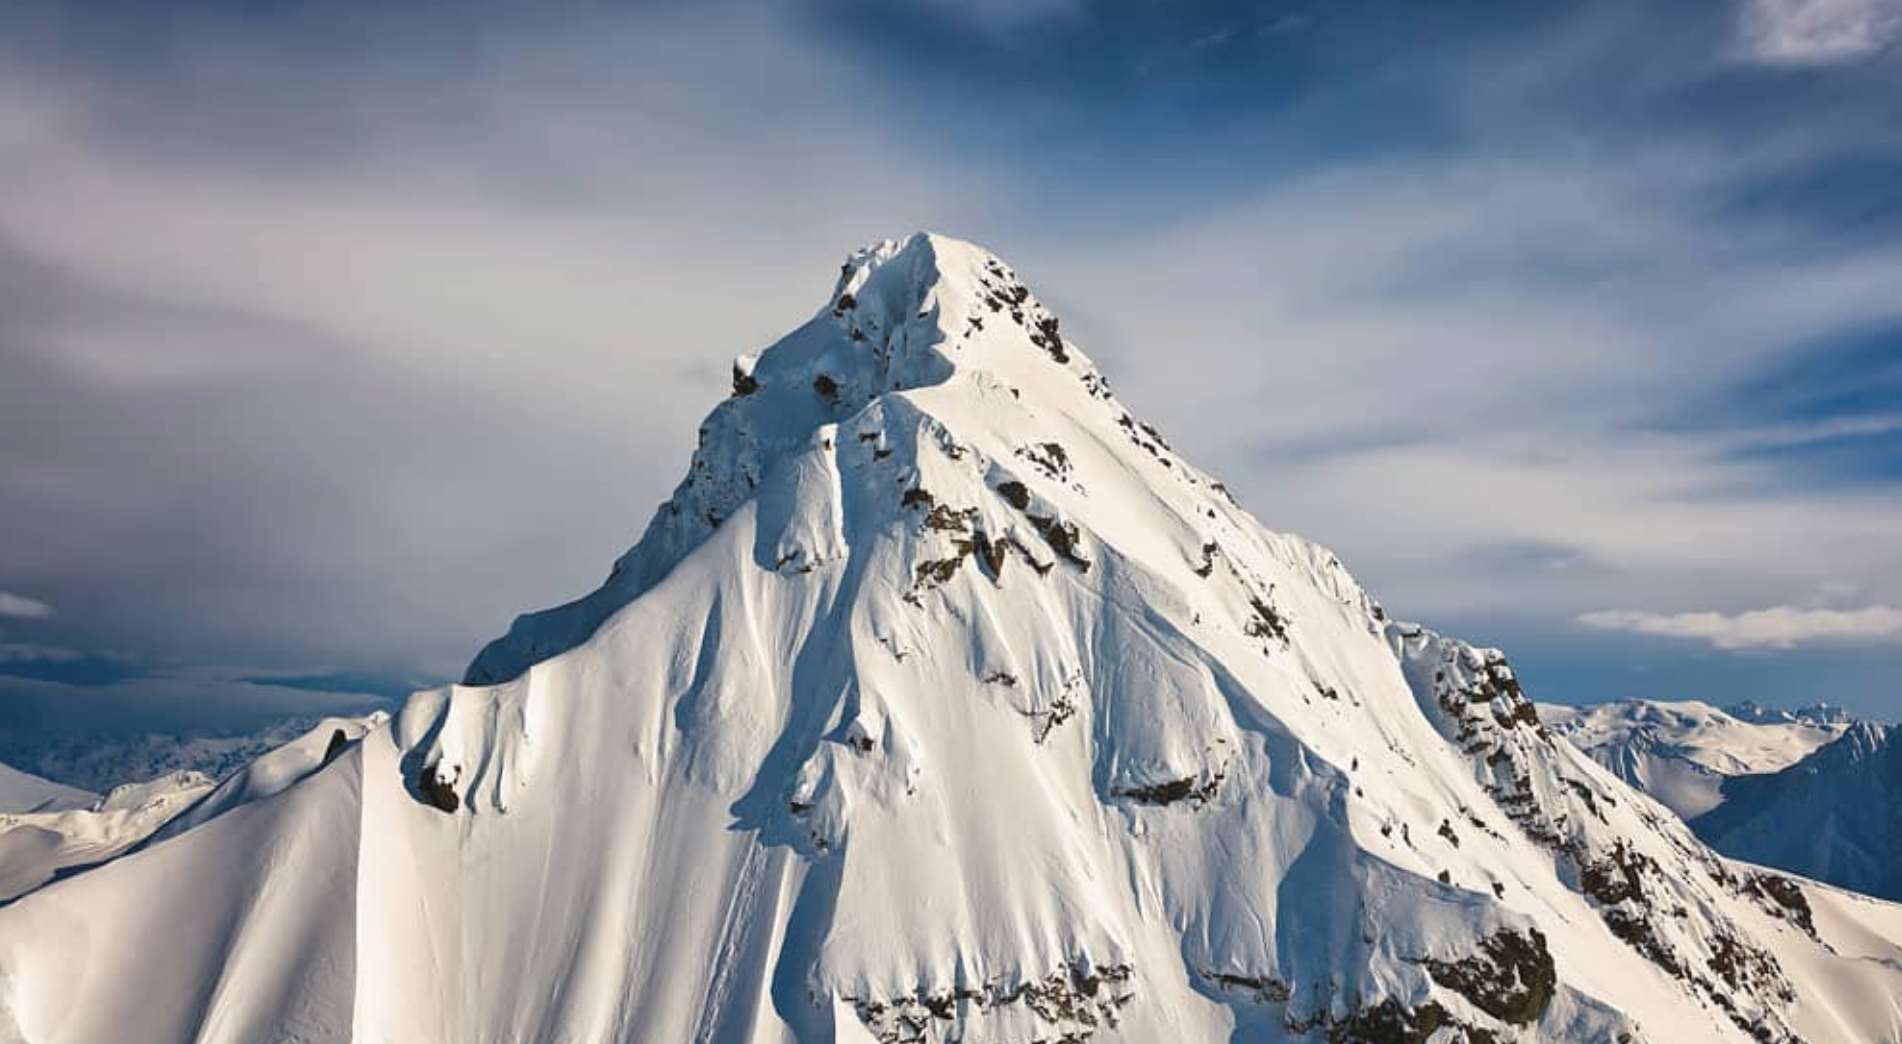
<point>1682,752</point>
<point>1836,815</point>
<point>944,701</point>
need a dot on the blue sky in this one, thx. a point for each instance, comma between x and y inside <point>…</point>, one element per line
<point>334,335</point>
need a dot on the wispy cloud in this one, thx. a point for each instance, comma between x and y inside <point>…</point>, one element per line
<point>23,608</point>
<point>1779,627</point>
<point>375,353</point>
<point>27,652</point>
<point>1818,32</point>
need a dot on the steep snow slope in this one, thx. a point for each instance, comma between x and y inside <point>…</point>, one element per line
<point>25,792</point>
<point>943,701</point>
<point>1836,815</point>
<point>1682,752</point>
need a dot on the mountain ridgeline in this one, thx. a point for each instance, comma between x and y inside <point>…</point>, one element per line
<point>943,701</point>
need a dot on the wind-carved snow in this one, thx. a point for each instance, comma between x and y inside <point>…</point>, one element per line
<point>944,701</point>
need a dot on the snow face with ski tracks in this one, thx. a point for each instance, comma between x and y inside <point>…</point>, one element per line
<point>944,701</point>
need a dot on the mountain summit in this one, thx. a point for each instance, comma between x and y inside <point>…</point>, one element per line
<point>944,701</point>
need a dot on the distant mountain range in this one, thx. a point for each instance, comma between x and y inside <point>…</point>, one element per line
<point>1682,752</point>
<point>1809,791</point>
<point>1836,815</point>
<point>99,760</point>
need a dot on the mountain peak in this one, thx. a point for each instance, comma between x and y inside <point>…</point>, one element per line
<point>922,313</point>
<point>943,701</point>
<point>921,308</point>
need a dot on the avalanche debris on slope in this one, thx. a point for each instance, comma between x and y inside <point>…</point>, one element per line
<point>942,701</point>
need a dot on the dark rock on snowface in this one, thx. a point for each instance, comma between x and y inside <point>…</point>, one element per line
<point>1787,896</point>
<point>948,520</point>
<point>744,383</point>
<point>1266,623</point>
<point>1207,565</point>
<point>1062,538</point>
<point>1391,1022</point>
<point>338,741</point>
<point>1478,704</point>
<point>990,553</point>
<point>1529,984</point>
<point>1074,1002</point>
<point>1014,494</point>
<point>1063,707</point>
<point>826,388</point>
<point>1050,458</point>
<point>437,789</point>
<point>1044,335</point>
<point>1511,978</point>
<point>1001,292</point>
<point>1191,789</point>
<point>1262,989</point>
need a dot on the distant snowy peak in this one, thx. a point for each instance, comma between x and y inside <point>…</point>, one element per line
<point>1681,752</point>
<point>1836,815</point>
<point>1815,714</point>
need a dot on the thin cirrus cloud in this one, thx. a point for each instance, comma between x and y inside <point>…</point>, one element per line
<point>1818,32</point>
<point>27,652</point>
<point>1778,627</point>
<point>21,607</point>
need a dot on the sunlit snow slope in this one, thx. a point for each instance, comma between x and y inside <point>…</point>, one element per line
<point>943,701</point>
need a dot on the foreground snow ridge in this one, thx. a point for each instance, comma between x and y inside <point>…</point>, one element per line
<point>944,702</point>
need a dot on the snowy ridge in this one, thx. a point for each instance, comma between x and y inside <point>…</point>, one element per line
<point>943,701</point>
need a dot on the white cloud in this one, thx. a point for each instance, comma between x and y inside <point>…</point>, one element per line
<point>1818,32</point>
<point>1779,627</point>
<point>23,608</point>
<point>601,227</point>
<point>1470,353</point>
